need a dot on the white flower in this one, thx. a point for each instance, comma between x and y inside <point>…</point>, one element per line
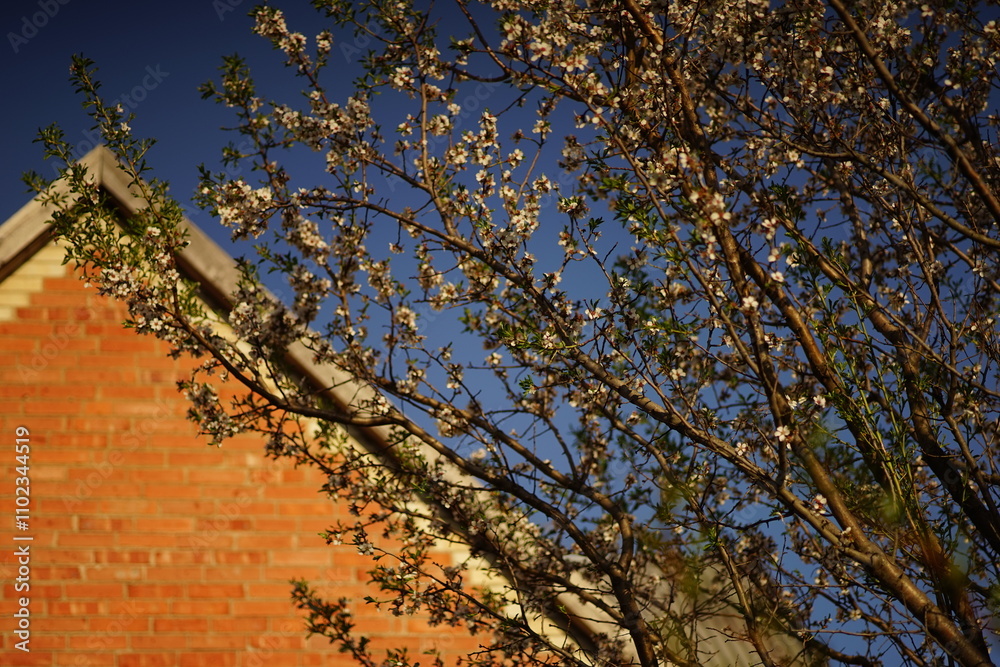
<point>439,125</point>
<point>402,77</point>
<point>819,503</point>
<point>782,433</point>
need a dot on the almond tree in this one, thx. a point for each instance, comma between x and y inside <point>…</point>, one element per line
<point>674,313</point>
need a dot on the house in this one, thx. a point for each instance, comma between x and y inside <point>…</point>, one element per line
<point>130,543</point>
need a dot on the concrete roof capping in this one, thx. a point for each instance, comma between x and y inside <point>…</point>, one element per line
<point>574,623</point>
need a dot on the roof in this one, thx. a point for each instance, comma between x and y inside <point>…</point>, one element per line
<point>202,261</point>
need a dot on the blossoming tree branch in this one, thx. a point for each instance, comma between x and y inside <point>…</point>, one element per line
<point>680,316</point>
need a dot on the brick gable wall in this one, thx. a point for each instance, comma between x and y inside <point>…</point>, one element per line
<point>149,547</point>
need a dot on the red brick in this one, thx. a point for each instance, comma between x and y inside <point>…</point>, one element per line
<point>242,625</point>
<point>94,591</point>
<point>18,344</point>
<point>116,573</point>
<point>277,642</point>
<point>159,591</point>
<point>125,621</point>
<point>60,573</point>
<point>21,658</point>
<point>153,644</point>
<point>97,376</point>
<point>286,625</point>
<point>44,591</point>
<point>85,539</point>
<point>318,510</point>
<point>277,590</point>
<point>192,507</point>
<point>103,425</point>
<point>217,642</point>
<point>171,491</point>
<point>180,573</point>
<point>49,474</point>
<point>150,540</point>
<point>27,370</point>
<point>102,642</point>
<point>216,541</point>
<point>209,476</point>
<point>163,524</point>
<point>47,642</point>
<point>312,557</point>
<point>80,343</point>
<point>66,625</point>
<point>19,391</point>
<point>117,392</point>
<point>69,300</point>
<point>127,344</point>
<point>76,608</point>
<point>123,557</point>
<point>74,441</point>
<point>224,591</point>
<point>277,525</point>
<point>48,523</point>
<point>180,625</point>
<point>189,458</point>
<point>202,608</point>
<point>146,608</point>
<point>147,660</point>
<point>242,557</point>
<point>221,659</point>
<point>50,407</point>
<point>105,523</point>
<point>105,360</point>
<point>256,508</point>
<point>68,283</point>
<point>116,489</point>
<point>185,557</point>
<point>40,331</point>
<point>223,523</point>
<point>255,608</point>
<point>63,556</point>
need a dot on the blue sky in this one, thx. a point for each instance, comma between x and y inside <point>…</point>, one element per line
<point>155,54</point>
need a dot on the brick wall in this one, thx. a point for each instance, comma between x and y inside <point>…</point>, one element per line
<point>149,547</point>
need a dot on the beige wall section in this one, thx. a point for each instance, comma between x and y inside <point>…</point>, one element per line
<point>27,279</point>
